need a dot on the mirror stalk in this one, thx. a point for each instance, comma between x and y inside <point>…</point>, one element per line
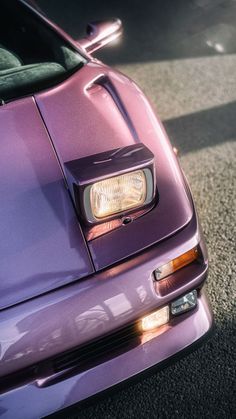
<point>101,33</point>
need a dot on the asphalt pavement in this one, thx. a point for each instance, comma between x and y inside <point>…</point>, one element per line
<point>183,55</point>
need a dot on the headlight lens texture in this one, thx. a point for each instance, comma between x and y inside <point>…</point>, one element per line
<point>117,194</point>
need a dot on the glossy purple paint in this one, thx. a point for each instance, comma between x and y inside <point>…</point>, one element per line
<point>42,245</point>
<point>95,110</point>
<point>32,401</point>
<point>83,118</point>
<point>103,303</point>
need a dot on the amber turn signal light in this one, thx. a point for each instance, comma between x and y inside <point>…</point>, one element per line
<point>176,264</point>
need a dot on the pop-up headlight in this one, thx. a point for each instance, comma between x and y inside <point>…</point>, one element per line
<point>112,184</point>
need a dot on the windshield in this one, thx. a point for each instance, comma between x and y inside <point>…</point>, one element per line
<point>32,55</point>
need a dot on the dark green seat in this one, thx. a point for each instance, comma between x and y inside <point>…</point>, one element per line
<point>27,79</point>
<point>8,59</point>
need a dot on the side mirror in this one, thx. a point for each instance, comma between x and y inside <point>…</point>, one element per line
<point>100,34</point>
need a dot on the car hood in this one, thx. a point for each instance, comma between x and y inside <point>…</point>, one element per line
<point>42,246</point>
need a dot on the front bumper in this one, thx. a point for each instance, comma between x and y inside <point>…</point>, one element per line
<point>52,324</point>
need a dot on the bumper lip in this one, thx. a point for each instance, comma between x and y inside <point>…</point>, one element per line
<point>193,347</point>
<point>157,353</point>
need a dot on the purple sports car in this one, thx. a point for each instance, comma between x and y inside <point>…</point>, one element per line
<point>102,258</point>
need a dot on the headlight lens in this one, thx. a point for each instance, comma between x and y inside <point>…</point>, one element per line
<point>117,194</point>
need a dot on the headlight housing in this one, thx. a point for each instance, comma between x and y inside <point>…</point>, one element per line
<point>112,184</point>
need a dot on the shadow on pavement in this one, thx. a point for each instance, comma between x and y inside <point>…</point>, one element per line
<point>203,129</point>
